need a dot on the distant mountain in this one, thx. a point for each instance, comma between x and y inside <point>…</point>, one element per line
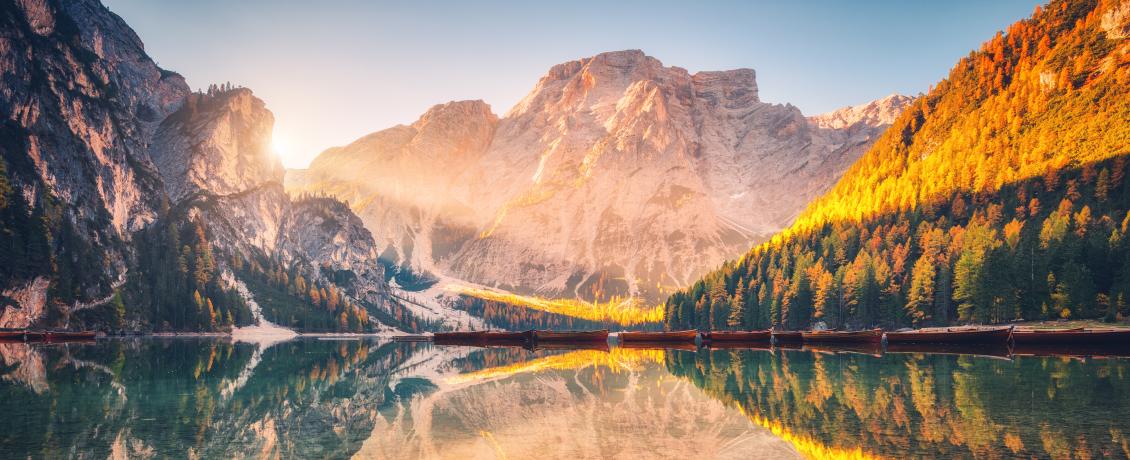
<point>615,176</point>
<point>128,202</point>
<point>1001,194</point>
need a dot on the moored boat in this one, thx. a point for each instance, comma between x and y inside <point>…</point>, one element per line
<point>482,338</point>
<point>459,338</point>
<point>662,345</point>
<point>62,336</point>
<point>663,336</point>
<point>505,337</point>
<point>787,336</point>
<point>1072,336</point>
<point>952,335</point>
<point>736,336</point>
<point>869,336</point>
<point>763,345</point>
<point>12,335</point>
<point>571,336</point>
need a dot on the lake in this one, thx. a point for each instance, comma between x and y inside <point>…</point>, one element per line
<point>212,398</point>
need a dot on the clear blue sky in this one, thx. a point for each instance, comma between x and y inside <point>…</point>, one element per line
<point>332,71</point>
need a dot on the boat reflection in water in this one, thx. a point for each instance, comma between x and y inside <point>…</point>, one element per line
<point>215,398</point>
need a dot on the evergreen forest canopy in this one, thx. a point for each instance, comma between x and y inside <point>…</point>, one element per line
<point>999,195</point>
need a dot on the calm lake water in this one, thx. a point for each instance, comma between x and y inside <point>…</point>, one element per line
<point>310,398</point>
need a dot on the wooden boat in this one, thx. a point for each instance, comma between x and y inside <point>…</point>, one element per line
<point>12,335</point>
<point>571,336</point>
<point>482,338</point>
<point>62,336</point>
<point>473,338</point>
<point>658,337</point>
<point>871,336</point>
<point>952,335</point>
<point>504,337</point>
<point>1072,336</point>
<point>411,338</point>
<point>598,346</point>
<point>736,336</point>
<point>662,345</point>
<point>32,336</point>
<point>763,345</point>
<point>787,336</point>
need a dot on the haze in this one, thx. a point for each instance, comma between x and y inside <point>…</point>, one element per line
<point>334,71</point>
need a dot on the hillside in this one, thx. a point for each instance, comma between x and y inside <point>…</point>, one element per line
<point>129,203</point>
<point>999,195</point>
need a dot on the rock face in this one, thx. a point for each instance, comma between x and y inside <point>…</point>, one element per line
<point>103,143</point>
<point>215,160</point>
<point>616,175</point>
<point>78,104</point>
<point>217,144</point>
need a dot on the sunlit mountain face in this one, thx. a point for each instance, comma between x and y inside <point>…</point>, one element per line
<point>615,177</point>
<point>1001,195</point>
<point>365,399</point>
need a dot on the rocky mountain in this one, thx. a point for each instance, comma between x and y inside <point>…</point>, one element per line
<point>1000,195</point>
<point>614,176</point>
<point>216,163</point>
<point>129,202</point>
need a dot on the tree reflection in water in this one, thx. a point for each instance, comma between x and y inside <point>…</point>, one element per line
<point>333,399</point>
<point>925,405</point>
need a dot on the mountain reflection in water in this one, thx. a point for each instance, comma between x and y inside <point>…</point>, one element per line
<point>362,398</point>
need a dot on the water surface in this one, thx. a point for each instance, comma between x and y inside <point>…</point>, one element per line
<point>212,398</point>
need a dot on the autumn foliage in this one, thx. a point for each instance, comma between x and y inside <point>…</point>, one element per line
<point>999,195</point>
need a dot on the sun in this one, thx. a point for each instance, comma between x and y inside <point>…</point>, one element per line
<point>280,145</point>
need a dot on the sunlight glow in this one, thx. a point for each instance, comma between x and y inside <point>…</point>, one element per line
<point>624,311</point>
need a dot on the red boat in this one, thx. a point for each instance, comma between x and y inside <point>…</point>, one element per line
<point>63,336</point>
<point>658,337</point>
<point>736,336</point>
<point>1072,336</point>
<point>473,338</point>
<point>953,335</point>
<point>507,337</point>
<point>743,345</point>
<point>871,336</point>
<point>787,336</point>
<point>662,345</point>
<point>482,338</point>
<point>598,346</point>
<point>571,336</point>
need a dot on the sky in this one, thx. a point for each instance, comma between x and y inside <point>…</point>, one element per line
<point>332,71</point>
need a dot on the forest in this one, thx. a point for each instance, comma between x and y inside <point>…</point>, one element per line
<point>998,196</point>
<point>176,285</point>
<point>511,317</point>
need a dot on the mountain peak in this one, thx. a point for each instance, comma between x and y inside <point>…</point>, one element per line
<point>217,142</point>
<point>455,111</point>
<point>879,112</point>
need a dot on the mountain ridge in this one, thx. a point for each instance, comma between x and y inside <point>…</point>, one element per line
<point>1000,195</point>
<point>557,157</point>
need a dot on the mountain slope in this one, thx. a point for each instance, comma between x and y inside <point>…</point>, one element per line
<point>129,203</point>
<point>999,195</point>
<point>616,176</point>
